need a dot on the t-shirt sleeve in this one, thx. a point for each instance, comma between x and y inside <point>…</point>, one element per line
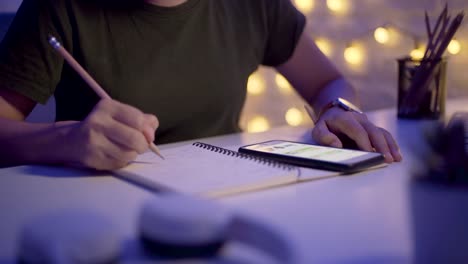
<point>285,26</point>
<point>28,64</point>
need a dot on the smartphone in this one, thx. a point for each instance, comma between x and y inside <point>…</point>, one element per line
<point>313,156</point>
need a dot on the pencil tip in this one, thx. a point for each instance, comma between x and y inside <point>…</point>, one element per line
<point>155,150</point>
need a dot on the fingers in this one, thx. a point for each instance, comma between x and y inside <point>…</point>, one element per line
<point>393,145</point>
<point>379,141</point>
<point>108,156</point>
<point>383,142</point>
<point>323,136</point>
<point>132,117</point>
<point>347,124</point>
<point>126,137</point>
<point>152,121</point>
<point>150,126</point>
<point>357,127</point>
<point>145,124</point>
<point>123,113</point>
<point>87,147</point>
<point>114,134</point>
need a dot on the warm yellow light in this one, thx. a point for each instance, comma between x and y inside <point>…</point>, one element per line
<point>258,124</point>
<point>294,117</point>
<point>382,35</point>
<point>305,6</point>
<point>354,55</point>
<point>324,45</point>
<point>256,84</point>
<point>338,6</point>
<point>283,85</point>
<point>417,53</point>
<point>454,47</point>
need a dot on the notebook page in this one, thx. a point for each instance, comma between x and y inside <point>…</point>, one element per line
<point>195,170</point>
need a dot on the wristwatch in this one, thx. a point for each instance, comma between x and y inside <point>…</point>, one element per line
<point>343,104</point>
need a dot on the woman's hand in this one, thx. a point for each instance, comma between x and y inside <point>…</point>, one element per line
<point>335,124</point>
<point>110,137</point>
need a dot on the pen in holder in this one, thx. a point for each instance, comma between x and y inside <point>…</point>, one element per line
<point>421,83</point>
<point>432,95</point>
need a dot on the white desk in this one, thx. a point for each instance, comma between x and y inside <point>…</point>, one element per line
<point>364,218</point>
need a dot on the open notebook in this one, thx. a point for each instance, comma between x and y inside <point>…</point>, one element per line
<point>212,171</point>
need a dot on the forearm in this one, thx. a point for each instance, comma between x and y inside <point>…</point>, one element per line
<point>31,143</point>
<point>314,76</point>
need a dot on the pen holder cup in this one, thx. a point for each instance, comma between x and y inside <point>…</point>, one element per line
<point>431,94</point>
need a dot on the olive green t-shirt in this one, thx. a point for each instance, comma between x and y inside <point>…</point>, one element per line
<point>187,64</point>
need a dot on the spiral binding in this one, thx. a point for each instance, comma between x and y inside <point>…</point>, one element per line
<point>261,160</point>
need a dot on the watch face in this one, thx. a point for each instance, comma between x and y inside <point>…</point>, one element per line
<point>348,105</point>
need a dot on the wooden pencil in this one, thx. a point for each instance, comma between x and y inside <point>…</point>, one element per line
<point>88,79</point>
<point>436,33</point>
<point>439,39</point>
<point>428,25</point>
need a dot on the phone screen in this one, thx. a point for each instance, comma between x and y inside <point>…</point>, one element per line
<point>307,151</point>
<point>313,156</point>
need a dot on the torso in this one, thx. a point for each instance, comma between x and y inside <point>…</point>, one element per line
<point>183,64</point>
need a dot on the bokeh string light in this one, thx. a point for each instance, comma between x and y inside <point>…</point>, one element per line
<point>256,84</point>
<point>283,85</point>
<point>418,52</point>
<point>258,124</point>
<point>339,7</point>
<point>354,54</point>
<point>306,6</point>
<point>454,47</point>
<point>294,117</point>
<point>382,35</point>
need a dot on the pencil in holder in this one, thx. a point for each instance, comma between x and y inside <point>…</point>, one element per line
<point>432,93</point>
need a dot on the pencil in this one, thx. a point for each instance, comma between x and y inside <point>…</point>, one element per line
<point>88,79</point>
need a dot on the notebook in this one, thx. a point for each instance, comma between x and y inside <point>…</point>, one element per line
<point>212,171</point>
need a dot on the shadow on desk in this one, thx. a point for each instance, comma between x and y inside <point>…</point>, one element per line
<point>61,172</point>
<point>70,172</point>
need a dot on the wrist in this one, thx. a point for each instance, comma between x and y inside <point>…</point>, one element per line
<point>28,143</point>
<point>64,150</point>
<point>339,103</point>
<point>52,146</point>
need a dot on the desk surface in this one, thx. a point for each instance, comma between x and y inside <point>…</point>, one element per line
<point>374,216</point>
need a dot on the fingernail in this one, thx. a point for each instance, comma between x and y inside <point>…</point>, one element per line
<point>388,157</point>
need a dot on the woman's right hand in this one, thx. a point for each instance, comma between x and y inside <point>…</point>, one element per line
<point>111,136</point>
